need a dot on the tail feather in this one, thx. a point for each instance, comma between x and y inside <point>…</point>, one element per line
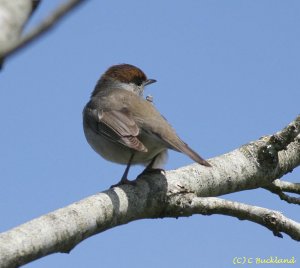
<point>196,157</point>
<point>182,147</point>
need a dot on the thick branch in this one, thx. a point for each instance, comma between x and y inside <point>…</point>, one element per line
<point>248,167</point>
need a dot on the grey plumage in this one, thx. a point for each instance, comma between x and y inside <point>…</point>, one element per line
<point>125,128</point>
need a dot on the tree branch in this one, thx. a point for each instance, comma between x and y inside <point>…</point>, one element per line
<point>273,188</point>
<point>13,17</point>
<point>289,199</point>
<point>273,220</point>
<point>286,186</point>
<point>42,28</point>
<point>254,165</point>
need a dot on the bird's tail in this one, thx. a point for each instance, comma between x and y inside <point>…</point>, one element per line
<point>196,157</point>
<point>184,148</point>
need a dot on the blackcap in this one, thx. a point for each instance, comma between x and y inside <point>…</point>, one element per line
<point>123,127</point>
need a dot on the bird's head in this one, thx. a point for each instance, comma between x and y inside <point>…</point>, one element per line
<point>127,77</point>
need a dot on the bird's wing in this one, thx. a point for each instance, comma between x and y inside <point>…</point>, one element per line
<point>117,126</point>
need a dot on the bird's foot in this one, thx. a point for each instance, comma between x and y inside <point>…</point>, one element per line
<point>123,182</point>
<point>152,171</point>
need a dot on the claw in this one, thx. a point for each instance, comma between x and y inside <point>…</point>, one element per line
<point>123,182</point>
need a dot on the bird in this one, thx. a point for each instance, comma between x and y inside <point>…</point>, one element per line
<point>123,127</point>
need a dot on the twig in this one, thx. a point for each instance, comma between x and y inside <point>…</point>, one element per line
<point>273,188</point>
<point>43,27</point>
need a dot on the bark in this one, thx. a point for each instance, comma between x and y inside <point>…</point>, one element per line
<point>13,16</point>
<point>182,192</point>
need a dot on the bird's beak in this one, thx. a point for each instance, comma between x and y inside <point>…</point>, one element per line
<point>149,81</point>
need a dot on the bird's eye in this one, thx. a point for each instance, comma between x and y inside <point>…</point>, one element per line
<point>138,81</point>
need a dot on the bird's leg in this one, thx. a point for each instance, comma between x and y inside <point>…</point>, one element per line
<point>150,170</point>
<point>124,179</point>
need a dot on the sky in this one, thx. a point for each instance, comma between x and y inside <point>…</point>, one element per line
<point>227,72</point>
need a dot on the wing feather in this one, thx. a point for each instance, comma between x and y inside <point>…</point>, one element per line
<point>117,126</point>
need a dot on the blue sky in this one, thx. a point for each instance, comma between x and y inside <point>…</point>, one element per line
<point>228,73</point>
